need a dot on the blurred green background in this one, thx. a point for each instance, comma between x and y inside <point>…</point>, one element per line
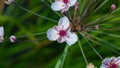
<point>43,53</point>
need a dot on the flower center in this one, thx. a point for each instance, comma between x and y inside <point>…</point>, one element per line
<point>62,33</point>
<point>65,1</point>
<point>113,66</point>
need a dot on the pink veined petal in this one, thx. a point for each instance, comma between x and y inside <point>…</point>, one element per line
<point>71,38</point>
<point>65,9</point>
<point>58,28</point>
<point>52,34</point>
<point>61,40</point>
<point>57,6</point>
<point>64,21</point>
<point>72,2</point>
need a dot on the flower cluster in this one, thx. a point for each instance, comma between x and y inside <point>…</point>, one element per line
<point>62,32</point>
<point>66,29</point>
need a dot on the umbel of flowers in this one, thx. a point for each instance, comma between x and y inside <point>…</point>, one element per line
<point>66,29</point>
<point>62,32</point>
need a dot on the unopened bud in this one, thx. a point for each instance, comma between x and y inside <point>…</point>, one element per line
<point>63,12</point>
<point>9,2</point>
<point>77,5</point>
<point>113,7</point>
<point>13,39</point>
<point>90,65</point>
<point>96,27</point>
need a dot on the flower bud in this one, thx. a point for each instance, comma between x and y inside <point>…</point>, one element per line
<point>13,39</point>
<point>77,5</point>
<point>9,1</point>
<point>113,7</point>
<point>96,27</point>
<point>90,65</point>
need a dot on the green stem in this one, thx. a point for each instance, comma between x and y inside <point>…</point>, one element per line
<point>50,7</point>
<point>35,34</point>
<point>35,13</point>
<point>82,52</point>
<point>62,58</point>
<point>92,46</point>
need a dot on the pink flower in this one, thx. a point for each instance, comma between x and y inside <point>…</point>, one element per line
<point>12,39</point>
<point>111,63</point>
<point>1,34</point>
<point>62,32</point>
<point>63,5</point>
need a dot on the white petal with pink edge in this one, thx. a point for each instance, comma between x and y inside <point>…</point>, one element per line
<point>71,39</point>
<point>72,2</point>
<point>52,34</point>
<point>1,34</point>
<point>64,21</point>
<point>57,6</point>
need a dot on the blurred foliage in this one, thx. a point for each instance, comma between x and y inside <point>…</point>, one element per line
<point>43,53</point>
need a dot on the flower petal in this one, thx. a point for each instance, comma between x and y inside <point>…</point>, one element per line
<point>64,21</point>
<point>61,40</point>
<point>1,34</point>
<point>71,39</point>
<point>72,2</point>
<point>58,28</point>
<point>65,9</point>
<point>57,6</point>
<point>1,31</point>
<point>52,34</point>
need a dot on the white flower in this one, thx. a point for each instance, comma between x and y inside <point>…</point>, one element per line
<point>1,34</point>
<point>9,1</point>
<point>63,5</point>
<point>62,32</point>
<point>111,63</point>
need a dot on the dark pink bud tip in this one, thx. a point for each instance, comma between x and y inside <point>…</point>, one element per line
<point>113,7</point>
<point>13,39</point>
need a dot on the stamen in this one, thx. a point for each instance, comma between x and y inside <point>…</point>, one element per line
<point>65,1</point>
<point>62,33</point>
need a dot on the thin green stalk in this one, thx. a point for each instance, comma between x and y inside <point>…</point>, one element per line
<point>69,13</point>
<point>111,45</point>
<point>105,1</point>
<point>62,58</point>
<point>50,7</point>
<point>24,41</point>
<point>86,11</point>
<point>94,41</point>
<point>113,35</point>
<point>31,35</point>
<point>82,6</point>
<point>35,13</point>
<point>97,21</point>
<point>92,46</point>
<point>82,52</point>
